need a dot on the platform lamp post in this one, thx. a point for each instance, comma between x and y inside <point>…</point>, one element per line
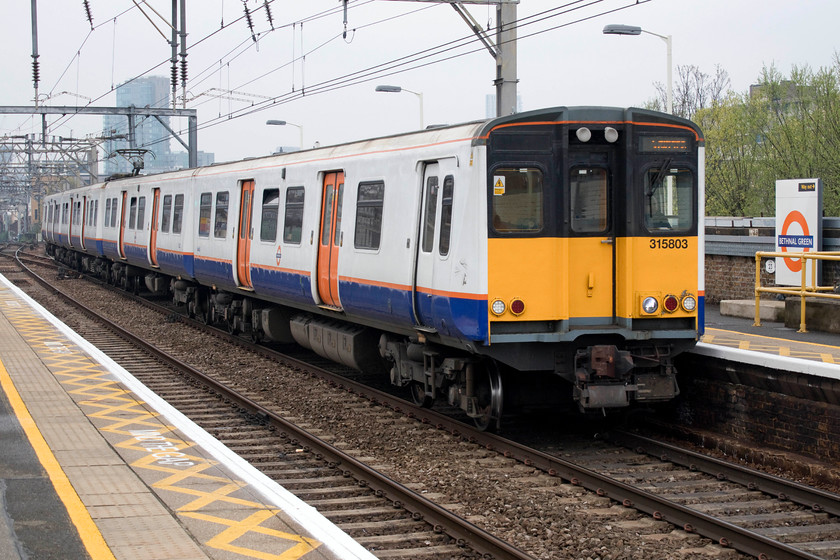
<point>618,29</point>
<point>398,89</point>
<point>285,123</point>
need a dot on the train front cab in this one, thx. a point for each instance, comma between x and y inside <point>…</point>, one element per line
<point>593,249</point>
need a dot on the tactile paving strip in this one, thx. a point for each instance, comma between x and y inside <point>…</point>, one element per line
<point>221,513</point>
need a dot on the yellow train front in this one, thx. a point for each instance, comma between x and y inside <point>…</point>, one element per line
<point>595,249</point>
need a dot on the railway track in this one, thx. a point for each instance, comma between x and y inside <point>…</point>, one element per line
<point>746,511</point>
<point>379,513</point>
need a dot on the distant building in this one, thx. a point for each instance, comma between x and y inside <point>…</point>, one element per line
<point>149,133</point>
<point>490,105</point>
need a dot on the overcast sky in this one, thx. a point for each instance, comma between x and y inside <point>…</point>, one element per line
<point>563,59</point>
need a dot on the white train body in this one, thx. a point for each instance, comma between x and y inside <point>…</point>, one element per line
<point>387,240</point>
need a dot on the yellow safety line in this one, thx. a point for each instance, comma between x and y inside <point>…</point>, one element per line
<point>773,338</point>
<point>88,531</point>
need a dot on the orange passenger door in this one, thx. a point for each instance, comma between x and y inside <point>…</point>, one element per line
<point>330,239</point>
<point>83,220</point>
<point>154,228</point>
<point>243,247</point>
<point>121,245</point>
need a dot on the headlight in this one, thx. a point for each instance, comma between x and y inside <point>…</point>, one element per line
<point>650,305</point>
<point>689,303</point>
<point>498,307</point>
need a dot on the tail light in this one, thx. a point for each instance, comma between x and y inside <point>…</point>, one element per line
<point>671,303</point>
<point>517,307</point>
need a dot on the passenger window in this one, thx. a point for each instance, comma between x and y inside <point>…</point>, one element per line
<point>270,211</point>
<point>205,208</point>
<point>337,234</point>
<point>141,212</point>
<point>669,199</point>
<point>177,213</point>
<point>113,212</point>
<point>430,214</point>
<point>132,212</point>
<point>220,228</point>
<point>369,215</point>
<point>165,213</point>
<point>588,199</point>
<point>293,220</point>
<point>517,200</point>
<point>95,212</point>
<point>446,215</point>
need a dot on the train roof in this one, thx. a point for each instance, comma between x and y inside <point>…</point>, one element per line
<point>474,132</point>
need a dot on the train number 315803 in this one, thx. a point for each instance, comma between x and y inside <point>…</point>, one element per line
<point>669,243</point>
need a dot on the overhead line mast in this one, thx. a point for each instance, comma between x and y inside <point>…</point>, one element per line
<point>35,72</point>
<point>503,51</point>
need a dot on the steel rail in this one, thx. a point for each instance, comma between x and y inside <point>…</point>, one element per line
<point>814,498</point>
<point>724,533</point>
<point>462,531</point>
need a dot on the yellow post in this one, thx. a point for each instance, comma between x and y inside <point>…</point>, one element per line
<point>757,322</point>
<point>802,328</point>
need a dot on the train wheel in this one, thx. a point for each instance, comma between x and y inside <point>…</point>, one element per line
<point>489,398</point>
<point>202,307</point>
<point>419,396</point>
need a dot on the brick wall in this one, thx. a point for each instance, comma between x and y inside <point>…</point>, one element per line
<point>763,426</point>
<point>733,277</point>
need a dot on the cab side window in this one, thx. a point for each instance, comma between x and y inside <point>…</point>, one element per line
<point>517,205</point>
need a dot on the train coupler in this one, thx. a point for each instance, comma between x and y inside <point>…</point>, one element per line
<point>606,377</point>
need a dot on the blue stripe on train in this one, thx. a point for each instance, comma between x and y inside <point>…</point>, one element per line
<point>461,318</point>
<point>217,273</point>
<point>176,264</point>
<point>292,287</point>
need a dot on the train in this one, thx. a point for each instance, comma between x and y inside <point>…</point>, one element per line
<point>472,264</point>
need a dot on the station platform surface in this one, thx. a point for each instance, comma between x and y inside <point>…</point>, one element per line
<point>812,352</point>
<point>93,465</point>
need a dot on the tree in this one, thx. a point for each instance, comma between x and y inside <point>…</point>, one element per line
<point>783,128</point>
<point>693,90</point>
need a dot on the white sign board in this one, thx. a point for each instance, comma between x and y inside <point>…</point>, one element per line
<point>798,227</point>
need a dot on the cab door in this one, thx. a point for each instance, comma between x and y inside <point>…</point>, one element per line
<point>330,239</point>
<point>591,238</point>
<point>243,245</point>
<point>154,228</point>
<point>422,294</point>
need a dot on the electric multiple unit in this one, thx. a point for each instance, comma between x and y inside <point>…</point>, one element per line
<point>477,263</point>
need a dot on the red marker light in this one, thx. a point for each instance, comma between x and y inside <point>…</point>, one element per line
<point>671,303</point>
<point>517,307</point>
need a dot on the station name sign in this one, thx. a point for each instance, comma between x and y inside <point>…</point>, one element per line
<point>798,227</point>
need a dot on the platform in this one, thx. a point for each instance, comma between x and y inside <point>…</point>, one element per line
<point>772,344</point>
<point>93,465</point>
